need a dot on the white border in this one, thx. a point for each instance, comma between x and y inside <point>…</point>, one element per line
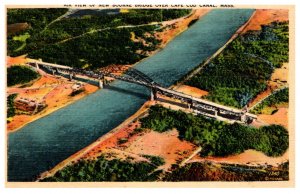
<point>137,190</point>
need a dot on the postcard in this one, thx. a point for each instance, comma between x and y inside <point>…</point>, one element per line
<point>150,95</point>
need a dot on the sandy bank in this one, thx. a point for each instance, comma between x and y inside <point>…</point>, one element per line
<point>249,157</point>
<point>54,91</point>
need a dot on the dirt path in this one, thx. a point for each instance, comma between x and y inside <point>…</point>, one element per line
<point>191,156</point>
<point>104,29</point>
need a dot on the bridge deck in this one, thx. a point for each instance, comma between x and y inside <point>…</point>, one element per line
<point>52,65</point>
<point>153,86</point>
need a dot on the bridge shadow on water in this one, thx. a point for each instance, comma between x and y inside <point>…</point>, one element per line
<point>128,91</point>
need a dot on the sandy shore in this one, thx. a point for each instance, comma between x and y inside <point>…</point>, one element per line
<point>266,16</point>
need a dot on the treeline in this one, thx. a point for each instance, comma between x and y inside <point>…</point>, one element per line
<point>103,169</point>
<point>277,98</point>
<point>241,71</point>
<point>19,74</point>
<point>207,171</point>
<point>218,138</point>
<point>11,110</point>
<point>144,16</point>
<point>100,49</point>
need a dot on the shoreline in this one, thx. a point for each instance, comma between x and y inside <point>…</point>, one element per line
<point>48,112</point>
<point>76,156</point>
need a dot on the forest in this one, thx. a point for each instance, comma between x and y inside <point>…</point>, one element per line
<point>277,98</point>
<point>37,18</point>
<point>103,169</point>
<point>218,138</point>
<point>98,49</point>
<point>207,171</point>
<point>242,70</point>
<point>19,74</point>
<point>89,40</point>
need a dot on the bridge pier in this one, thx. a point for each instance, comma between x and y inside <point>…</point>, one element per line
<point>216,112</point>
<point>70,77</point>
<point>243,118</point>
<point>37,66</point>
<point>190,104</point>
<point>100,83</point>
<point>53,72</point>
<point>153,94</point>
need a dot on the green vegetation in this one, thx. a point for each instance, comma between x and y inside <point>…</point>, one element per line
<point>218,138</point>
<point>93,40</point>
<point>76,92</point>
<point>22,39</point>
<point>11,110</point>
<point>207,171</point>
<point>19,74</point>
<point>277,98</point>
<point>106,170</point>
<point>99,49</point>
<point>241,71</point>
<point>155,160</point>
<point>122,140</point>
<point>37,20</point>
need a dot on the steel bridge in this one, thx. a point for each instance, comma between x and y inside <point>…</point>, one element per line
<point>197,105</point>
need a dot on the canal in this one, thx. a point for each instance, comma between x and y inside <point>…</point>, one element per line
<point>42,144</point>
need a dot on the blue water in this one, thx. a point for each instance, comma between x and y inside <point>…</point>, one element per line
<point>44,143</point>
